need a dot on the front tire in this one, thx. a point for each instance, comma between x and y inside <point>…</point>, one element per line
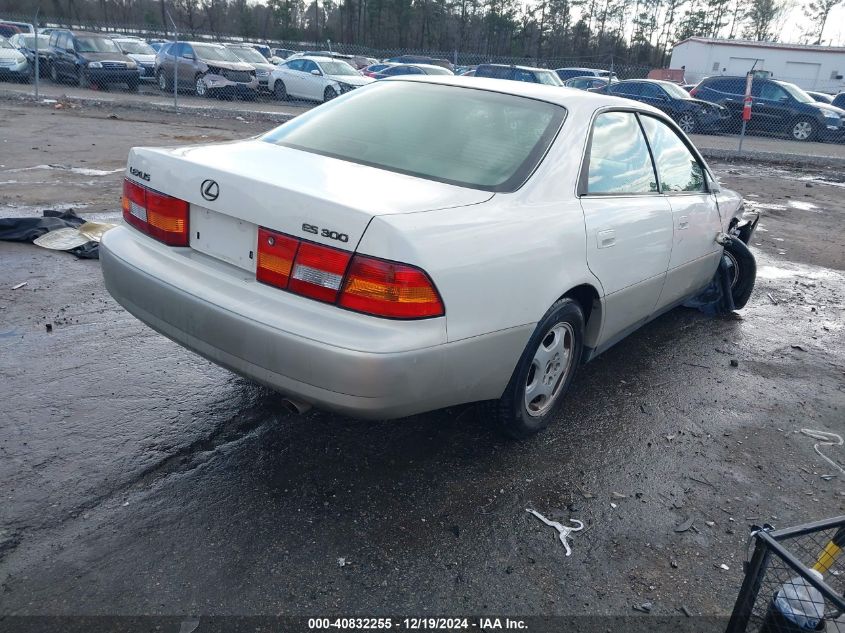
<point>687,122</point>
<point>742,271</point>
<point>54,74</point>
<point>200,89</point>
<point>544,372</point>
<point>82,78</point>
<point>803,130</point>
<point>329,94</point>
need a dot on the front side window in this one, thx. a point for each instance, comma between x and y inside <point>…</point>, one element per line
<point>457,135</point>
<point>678,168</point>
<point>618,161</point>
<point>296,64</point>
<point>769,92</point>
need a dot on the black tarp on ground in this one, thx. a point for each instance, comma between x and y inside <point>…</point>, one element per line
<point>30,229</point>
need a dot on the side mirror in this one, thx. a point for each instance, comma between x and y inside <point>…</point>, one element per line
<point>316,73</point>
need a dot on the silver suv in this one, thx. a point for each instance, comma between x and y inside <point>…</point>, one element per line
<point>206,69</point>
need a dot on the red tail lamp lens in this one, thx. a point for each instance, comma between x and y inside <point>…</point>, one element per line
<point>276,253</point>
<point>388,289</point>
<point>160,216</point>
<point>318,272</point>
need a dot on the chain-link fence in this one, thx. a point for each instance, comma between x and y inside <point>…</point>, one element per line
<point>794,581</point>
<point>771,114</point>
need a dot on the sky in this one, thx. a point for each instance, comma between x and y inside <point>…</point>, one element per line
<point>794,20</point>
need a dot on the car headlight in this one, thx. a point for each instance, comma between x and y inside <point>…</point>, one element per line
<point>95,65</point>
<point>262,73</point>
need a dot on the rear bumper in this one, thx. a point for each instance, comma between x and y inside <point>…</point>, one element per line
<point>221,313</point>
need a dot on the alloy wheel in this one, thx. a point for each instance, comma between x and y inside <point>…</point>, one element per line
<point>802,130</point>
<point>201,87</point>
<point>550,367</point>
<point>687,123</point>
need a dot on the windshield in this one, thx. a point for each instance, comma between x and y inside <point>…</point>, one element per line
<point>675,91</point>
<point>87,44</point>
<point>136,47</point>
<point>797,93</point>
<point>458,135</point>
<point>548,77</point>
<point>215,53</point>
<point>29,41</point>
<point>338,68</point>
<point>249,55</point>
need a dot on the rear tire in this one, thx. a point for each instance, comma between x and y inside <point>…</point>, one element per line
<point>544,372</point>
<point>280,91</point>
<point>163,83</point>
<point>687,122</point>
<point>743,271</point>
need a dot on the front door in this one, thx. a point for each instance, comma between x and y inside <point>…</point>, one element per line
<point>695,214</point>
<point>628,222</point>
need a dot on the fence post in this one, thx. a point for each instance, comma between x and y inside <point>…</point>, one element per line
<point>37,61</point>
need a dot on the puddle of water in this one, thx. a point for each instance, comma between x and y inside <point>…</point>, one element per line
<point>82,171</point>
<point>765,205</point>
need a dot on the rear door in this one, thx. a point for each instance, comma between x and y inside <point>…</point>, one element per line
<point>695,214</point>
<point>628,223</point>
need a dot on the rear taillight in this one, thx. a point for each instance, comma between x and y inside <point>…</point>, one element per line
<point>162,217</point>
<point>693,91</point>
<point>369,285</point>
<point>390,290</point>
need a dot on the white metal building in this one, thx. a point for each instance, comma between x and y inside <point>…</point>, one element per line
<point>819,68</point>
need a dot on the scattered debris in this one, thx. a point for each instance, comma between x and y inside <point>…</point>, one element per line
<point>771,298</point>
<point>825,439</point>
<point>342,562</point>
<point>685,525</point>
<point>48,327</point>
<point>19,286</point>
<point>686,611</point>
<point>61,239</point>
<point>645,607</point>
<point>799,348</point>
<point>613,505</point>
<point>618,495</point>
<point>734,362</point>
<point>725,567</point>
<point>827,477</point>
<point>709,523</point>
<point>563,531</point>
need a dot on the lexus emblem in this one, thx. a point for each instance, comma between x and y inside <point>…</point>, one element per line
<point>210,190</point>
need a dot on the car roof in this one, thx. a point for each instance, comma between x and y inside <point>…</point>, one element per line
<point>193,43</point>
<point>592,70</point>
<point>532,68</point>
<point>559,95</point>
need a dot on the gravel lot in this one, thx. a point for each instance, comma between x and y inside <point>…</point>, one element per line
<point>140,479</point>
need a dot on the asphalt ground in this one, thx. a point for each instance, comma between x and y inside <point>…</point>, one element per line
<point>139,479</point>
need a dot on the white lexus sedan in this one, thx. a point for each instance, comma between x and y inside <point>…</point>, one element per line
<point>425,242</point>
<point>314,78</point>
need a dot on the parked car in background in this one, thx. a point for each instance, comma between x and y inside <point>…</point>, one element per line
<point>821,97</point>
<point>586,83</point>
<point>428,243</point>
<point>13,63</point>
<point>839,101</point>
<point>263,49</point>
<point>25,43</point>
<point>157,44</point>
<point>251,56</point>
<point>8,30</point>
<point>518,73</point>
<point>90,58</point>
<point>25,27</point>
<point>421,59</point>
<point>280,54</point>
<point>144,55</point>
<point>205,69</point>
<point>372,69</point>
<point>778,107</point>
<point>689,87</point>
<point>411,69</point>
<point>691,115</point>
<point>315,78</point>
<point>570,73</point>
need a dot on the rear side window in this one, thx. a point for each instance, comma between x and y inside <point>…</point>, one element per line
<point>678,168</point>
<point>625,89</point>
<point>618,161</point>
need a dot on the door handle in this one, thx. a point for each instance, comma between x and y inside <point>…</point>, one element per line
<point>606,238</point>
<point>683,222</point>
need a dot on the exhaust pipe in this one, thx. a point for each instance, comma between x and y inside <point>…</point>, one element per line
<point>297,407</point>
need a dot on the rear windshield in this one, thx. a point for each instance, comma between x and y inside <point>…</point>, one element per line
<point>458,135</point>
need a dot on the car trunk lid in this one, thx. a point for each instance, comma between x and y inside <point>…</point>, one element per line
<point>233,188</point>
